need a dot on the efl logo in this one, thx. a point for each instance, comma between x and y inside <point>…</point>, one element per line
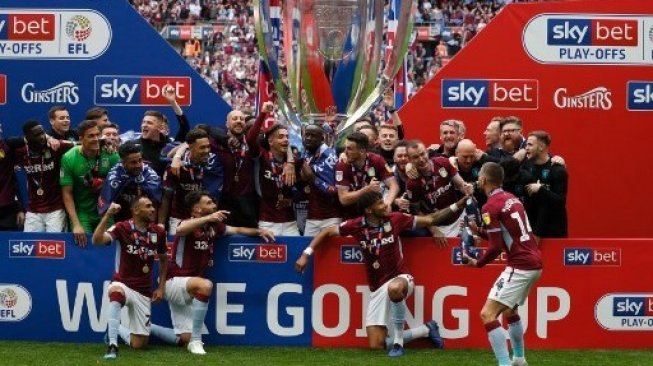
<point>140,90</point>
<point>15,302</point>
<point>27,27</point>
<point>608,257</point>
<point>592,32</point>
<point>633,306</point>
<point>265,253</point>
<point>3,89</point>
<point>48,249</point>
<point>640,95</point>
<point>497,93</point>
<point>351,254</point>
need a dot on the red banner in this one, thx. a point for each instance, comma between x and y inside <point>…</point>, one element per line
<point>592,294</point>
<point>582,71</point>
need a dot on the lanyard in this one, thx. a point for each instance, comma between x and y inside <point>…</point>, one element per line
<point>276,171</point>
<point>239,156</point>
<point>374,248</point>
<point>360,175</point>
<point>39,183</point>
<point>191,169</point>
<point>142,249</point>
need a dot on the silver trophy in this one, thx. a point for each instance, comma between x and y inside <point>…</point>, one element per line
<point>332,53</point>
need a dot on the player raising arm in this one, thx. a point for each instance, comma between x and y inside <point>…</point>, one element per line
<point>377,232</point>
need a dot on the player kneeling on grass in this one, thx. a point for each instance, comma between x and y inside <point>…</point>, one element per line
<point>388,277</point>
<point>507,228</point>
<point>138,240</point>
<point>187,289</point>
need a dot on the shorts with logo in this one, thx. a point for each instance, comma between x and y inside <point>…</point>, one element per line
<point>180,303</point>
<point>139,309</point>
<point>512,286</point>
<point>378,308</point>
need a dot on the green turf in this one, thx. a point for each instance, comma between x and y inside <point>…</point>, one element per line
<point>68,354</point>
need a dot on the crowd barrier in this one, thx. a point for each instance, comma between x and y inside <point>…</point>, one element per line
<point>593,293</point>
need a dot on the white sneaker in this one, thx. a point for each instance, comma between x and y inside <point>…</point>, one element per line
<point>519,361</point>
<point>196,348</point>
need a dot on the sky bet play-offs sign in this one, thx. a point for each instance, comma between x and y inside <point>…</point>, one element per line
<point>48,34</point>
<point>583,39</point>
<point>625,312</point>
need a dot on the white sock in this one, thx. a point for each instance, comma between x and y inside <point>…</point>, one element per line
<point>125,335</point>
<point>398,315</point>
<point>165,334</point>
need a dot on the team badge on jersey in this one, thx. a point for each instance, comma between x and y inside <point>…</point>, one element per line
<point>338,175</point>
<point>443,172</point>
<point>486,218</point>
<point>371,172</point>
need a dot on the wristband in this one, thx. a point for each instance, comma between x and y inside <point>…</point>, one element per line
<point>453,207</point>
<point>308,251</point>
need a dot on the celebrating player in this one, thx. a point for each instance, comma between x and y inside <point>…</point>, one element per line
<point>187,289</point>
<point>138,240</point>
<point>507,228</point>
<point>388,276</point>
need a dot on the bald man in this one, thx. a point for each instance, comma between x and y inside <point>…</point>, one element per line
<point>469,160</point>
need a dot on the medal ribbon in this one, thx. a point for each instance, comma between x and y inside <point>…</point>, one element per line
<point>357,174</point>
<point>143,250</point>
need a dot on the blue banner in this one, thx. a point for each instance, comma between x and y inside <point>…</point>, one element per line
<point>84,53</point>
<point>258,298</point>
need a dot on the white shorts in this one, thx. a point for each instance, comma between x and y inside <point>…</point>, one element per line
<point>47,222</point>
<point>512,286</point>
<point>173,222</point>
<point>313,227</point>
<point>138,309</point>
<point>378,308</point>
<point>280,228</point>
<point>180,303</point>
<point>452,230</point>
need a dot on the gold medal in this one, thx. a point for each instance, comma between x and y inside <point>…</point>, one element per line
<point>376,265</point>
<point>39,192</point>
<point>146,269</point>
<point>307,190</point>
<point>236,178</point>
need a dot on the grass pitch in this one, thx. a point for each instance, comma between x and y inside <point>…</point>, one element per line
<point>69,354</point>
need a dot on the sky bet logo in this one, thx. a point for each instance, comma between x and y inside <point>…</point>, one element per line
<point>490,94</point>
<point>633,306</point>
<point>610,257</point>
<point>49,249</point>
<point>592,32</point>
<point>351,254</point>
<point>120,90</point>
<point>640,95</point>
<point>260,253</point>
<point>27,27</point>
